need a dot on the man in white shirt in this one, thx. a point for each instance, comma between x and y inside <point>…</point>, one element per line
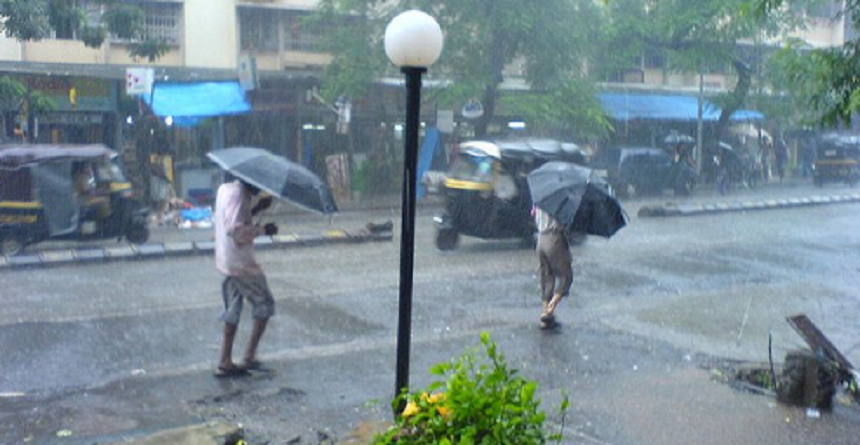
<point>244,278</point>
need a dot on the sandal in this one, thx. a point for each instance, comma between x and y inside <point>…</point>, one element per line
<point>251,365</point>
<point>233,371</point>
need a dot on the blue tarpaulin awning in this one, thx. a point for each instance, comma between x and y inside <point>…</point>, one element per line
<point>666,107</point>
<point>189,102</point>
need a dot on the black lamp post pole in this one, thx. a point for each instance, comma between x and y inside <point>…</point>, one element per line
<point>407,227</point>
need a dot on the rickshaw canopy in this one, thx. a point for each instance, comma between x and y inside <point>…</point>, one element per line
<point>523,149</point>
<point>15,156</point>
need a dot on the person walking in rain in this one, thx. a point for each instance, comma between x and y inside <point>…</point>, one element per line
<point>243,277</point>
<point>556,272</point>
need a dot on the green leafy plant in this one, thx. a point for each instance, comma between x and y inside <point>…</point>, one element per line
<point>149,49</point>
<point>126,21</point>
<point>474,402</point>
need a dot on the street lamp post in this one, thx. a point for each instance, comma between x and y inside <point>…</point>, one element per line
<point>413,41</point>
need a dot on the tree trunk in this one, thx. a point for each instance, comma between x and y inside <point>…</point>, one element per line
<point>497,65</point>
<point>483,122</point>
<point>735,99</point>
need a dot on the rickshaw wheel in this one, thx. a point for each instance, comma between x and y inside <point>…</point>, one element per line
<point>11,245</point>
<point>137,234</point>
<point>447,239</point>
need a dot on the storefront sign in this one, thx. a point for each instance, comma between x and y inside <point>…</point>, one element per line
<point>138,81</point>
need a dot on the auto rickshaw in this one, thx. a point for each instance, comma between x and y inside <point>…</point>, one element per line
<point>485,190</point>
<point>65,192</point>
<point>837,158</point>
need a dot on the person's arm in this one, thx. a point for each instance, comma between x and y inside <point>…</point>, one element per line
<point>263,204</point>
<point>245,232</point>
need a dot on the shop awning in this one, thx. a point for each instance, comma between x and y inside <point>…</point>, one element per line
<point>187,103</point>
<point>665,107</point>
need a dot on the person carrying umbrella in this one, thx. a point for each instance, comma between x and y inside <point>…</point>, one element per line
<point>243,277</point>
<point>556,272</point>
<point>568,199</point>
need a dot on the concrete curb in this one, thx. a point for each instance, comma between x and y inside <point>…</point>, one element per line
<point>674,209</point>
<point>132,252</point>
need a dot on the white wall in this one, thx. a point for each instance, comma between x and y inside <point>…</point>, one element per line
<point>211,38</point>
<point>10,49</point>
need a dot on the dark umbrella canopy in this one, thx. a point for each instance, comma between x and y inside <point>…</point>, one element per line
<point>576,199</point>
<point>277,176</point>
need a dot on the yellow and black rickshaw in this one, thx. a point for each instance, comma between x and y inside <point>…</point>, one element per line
<point>65,192</point>
<point>485,190</point>
<point>837,160</point>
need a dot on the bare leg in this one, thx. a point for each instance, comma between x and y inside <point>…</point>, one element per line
<point>254,341</point>
<point>226,361</point>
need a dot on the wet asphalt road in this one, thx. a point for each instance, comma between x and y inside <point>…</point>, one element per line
<point>112,351</point>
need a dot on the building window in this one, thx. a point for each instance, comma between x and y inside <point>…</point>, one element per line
<point>259,29</point>
<point>299,35</point>
<point>162,22</point>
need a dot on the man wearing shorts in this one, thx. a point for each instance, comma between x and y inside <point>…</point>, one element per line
<point>243,277</point>
<point>556,272</point>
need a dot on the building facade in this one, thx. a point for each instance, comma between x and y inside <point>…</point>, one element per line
<point>278,58</point>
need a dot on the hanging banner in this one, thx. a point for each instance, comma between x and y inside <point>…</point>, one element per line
<point>445,121</point>
<point>138,81</point>
<point>248,71</point>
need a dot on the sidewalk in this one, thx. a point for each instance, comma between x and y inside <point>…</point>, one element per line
<point>794,192</point>
<point>305,229</point>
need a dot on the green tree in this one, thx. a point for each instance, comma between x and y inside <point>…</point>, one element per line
<point>826,77</point>
<point>15,96</point>
<point>482,38</point>
<point>692,37</point>
<point>37,19</point>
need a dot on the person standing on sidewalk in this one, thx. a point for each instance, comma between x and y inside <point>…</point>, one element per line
<point>243,277</point>
<point>781,154</point>
<point>556,272</point>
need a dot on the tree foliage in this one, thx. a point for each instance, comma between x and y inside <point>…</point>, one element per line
<point>482,38</point>
<point>11,94</point>
<point>692,37</point>
<point>826,78</point>
<point>39,19</point>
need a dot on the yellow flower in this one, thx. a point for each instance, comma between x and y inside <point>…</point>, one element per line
<point>411,409</point>
<point>431,399</point>
<point>439,397</point>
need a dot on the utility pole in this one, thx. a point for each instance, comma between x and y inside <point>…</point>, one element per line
<point>699,126</point>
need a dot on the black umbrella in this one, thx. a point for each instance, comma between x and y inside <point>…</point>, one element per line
<point>277,176</point>
<point>576,198</point>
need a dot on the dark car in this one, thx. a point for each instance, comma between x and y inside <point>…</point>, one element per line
<point>643,170</point>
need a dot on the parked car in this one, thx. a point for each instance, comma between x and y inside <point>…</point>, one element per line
<point>643,170</point>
